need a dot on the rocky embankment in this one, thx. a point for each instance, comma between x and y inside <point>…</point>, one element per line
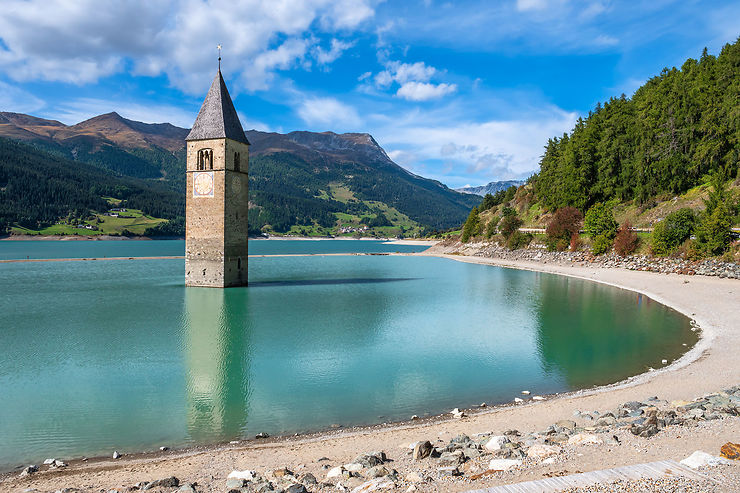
<point>663,265</point>
<point>467,462</point>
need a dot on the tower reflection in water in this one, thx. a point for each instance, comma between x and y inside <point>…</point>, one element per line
<point>217,363</point>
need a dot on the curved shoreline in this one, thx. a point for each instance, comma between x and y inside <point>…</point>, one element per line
<point>709,366</point>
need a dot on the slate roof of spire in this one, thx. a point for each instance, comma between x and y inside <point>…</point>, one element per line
<point>217,118</point>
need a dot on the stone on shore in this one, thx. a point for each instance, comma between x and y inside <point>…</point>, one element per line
<point>370,460</point>
<point>378,471</point>
<point>448,471</point>
<point>566,424</point>
<point>354,467</point>
<point>585,439</point>
<point>496,443</point>
<point>27,471</point>
<point>730,451</point>
<point>457,413</point>
<point>171,482</point>
<point>375,485</point>
<point>309,478</point>
<point>422,450</point>
<point>235,483</point>
<point>337,472</point>
<point>504,464</point>
<point>703,459</point>
<point>246,475</point>
<point>282,472</point>
<point>541,451</point>
<point>452,458</point>
<point>414,477</point>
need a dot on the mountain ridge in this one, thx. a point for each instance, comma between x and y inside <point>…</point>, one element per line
<point>491,187</point>
<point>320,181</point>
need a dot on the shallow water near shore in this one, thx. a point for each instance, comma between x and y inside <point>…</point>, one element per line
<point>119,355</point>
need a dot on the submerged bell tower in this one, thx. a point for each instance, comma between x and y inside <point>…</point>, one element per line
<point>217,202</point>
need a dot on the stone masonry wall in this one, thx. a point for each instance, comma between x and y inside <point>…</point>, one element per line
<point>216,227</point>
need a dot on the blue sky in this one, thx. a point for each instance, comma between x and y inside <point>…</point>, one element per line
<point>463,92</point>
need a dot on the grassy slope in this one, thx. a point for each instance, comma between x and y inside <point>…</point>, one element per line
<point>137,223</point>
<point>341,193</point>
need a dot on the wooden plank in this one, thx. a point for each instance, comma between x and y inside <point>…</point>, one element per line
<point>651,470</point>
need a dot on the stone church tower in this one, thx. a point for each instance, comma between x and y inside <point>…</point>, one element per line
<point>217,200</point>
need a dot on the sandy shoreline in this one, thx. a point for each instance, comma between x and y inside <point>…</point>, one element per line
<point>711,366</point>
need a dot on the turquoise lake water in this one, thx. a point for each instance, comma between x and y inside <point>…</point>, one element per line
<point>43,249</point>
<point>119,355</point>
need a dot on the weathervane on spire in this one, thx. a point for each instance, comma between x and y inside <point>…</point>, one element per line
<point>219,57</point>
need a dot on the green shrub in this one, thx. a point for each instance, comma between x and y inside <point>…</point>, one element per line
<point>509,224</point>
<point>672,231</point>
<point>471,227</point>
<point>518,240</point>
<point>600,221</point>
<point>491,226</point>
<point>601,244</point>
<point>564,225</point>
<point>713,231</point>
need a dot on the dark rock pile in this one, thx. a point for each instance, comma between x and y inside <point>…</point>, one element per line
<point>664,265</point>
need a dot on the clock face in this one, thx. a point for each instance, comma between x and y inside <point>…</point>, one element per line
<point>203,184</point>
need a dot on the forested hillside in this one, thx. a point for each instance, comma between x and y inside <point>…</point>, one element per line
<point>38,188</point>
<point>302,178</point>
<point>679,126</point>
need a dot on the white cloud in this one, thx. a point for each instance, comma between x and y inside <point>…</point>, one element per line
<point>283,57</point>
<point>424,91</point>
<point>413,79</point>
<point>481,150</point>
<point>383,79</point>
<point>327,113</point>
<point>85,40</point>
<point>338,47</point>
<point>17,100</point>
<point>406,72</point>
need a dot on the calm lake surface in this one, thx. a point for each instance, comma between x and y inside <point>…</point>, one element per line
<point>43,249</point>
<point>119,355</point>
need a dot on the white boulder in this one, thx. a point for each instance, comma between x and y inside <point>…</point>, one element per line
<point>504,464</point>
<point>496,443</point>
<point>702,459</point>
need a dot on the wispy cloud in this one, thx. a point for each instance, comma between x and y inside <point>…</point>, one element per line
<point>448,147</point>
<point>324,113</point>
<point>424,91</point>
<point>412,79</point>
<point>81,109</point>
<point>17,100</point>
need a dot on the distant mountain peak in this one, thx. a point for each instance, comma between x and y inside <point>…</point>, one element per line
<point>491,187</point>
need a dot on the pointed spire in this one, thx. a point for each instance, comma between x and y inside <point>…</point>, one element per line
<point>217,118</point>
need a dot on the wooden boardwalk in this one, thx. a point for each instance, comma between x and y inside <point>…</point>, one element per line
<point>653,470</point>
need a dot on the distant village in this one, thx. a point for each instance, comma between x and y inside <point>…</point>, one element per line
<point>115,212</point>
<point>352,229</point>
